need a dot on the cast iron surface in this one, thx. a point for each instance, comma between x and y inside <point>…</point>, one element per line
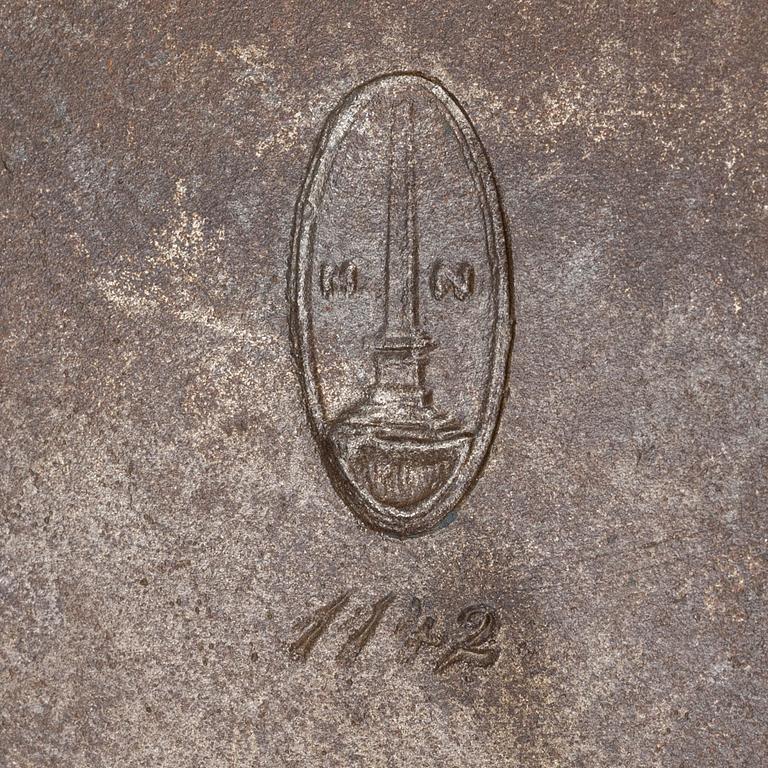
<point>180,583</point>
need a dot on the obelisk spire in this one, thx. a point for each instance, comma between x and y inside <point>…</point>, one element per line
<point>401,269</point>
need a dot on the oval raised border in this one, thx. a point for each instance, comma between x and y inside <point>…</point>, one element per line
<point>428,515</point>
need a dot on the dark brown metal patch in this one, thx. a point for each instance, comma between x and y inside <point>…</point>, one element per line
<point>400,302</point>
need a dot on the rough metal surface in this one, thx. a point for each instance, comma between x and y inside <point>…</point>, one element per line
<point>168,528</point>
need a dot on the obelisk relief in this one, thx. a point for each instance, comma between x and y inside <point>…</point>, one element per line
<point>399,404</point>
<point>400,458</point>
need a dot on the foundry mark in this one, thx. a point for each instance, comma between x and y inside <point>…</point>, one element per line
<point>397,454</point>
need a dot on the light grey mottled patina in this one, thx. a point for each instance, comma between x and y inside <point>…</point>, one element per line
<point>182,582</point>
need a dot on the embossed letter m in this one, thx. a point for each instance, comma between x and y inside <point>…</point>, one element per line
<point>338,278</point>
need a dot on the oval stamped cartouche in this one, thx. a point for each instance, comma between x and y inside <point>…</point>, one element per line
<point>401,308</point>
